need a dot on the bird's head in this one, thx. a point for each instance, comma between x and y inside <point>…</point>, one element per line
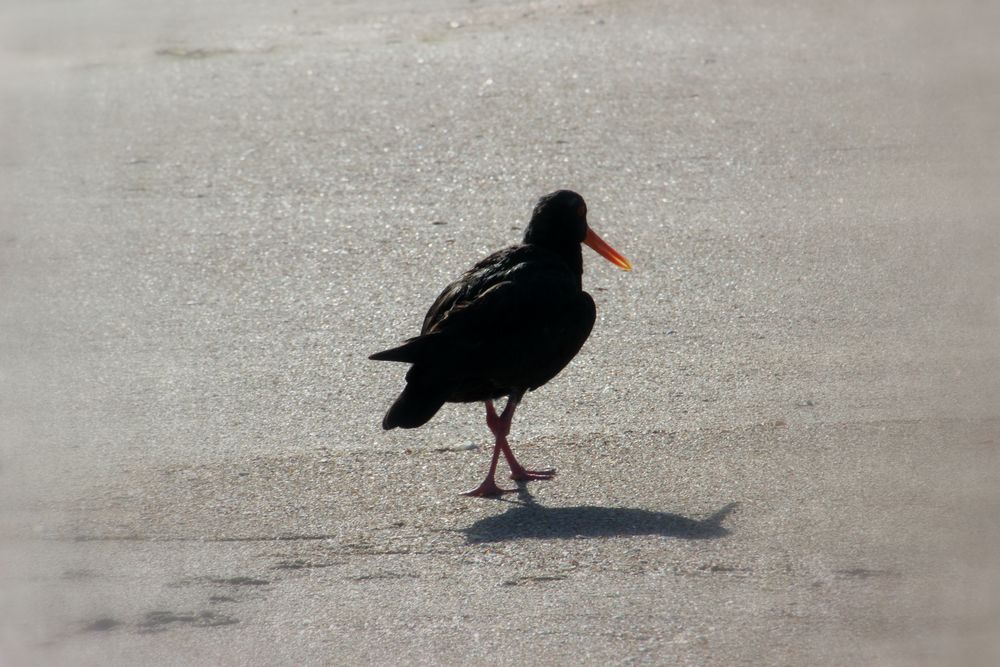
<point>560,219</point>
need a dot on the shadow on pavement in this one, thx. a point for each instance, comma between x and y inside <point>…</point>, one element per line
<point>529,520</point>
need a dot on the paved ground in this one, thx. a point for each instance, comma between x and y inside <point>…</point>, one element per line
<point>780,445</point>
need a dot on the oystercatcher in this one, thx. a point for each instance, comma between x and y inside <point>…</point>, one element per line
<point>506,327</point>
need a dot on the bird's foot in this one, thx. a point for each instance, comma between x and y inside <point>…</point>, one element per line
<point>520,474</point>
<point>488,489</point>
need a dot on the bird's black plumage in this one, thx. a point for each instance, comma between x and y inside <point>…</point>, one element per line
<point>508,325</point>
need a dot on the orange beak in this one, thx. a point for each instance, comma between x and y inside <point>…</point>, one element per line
<point>606,251</point>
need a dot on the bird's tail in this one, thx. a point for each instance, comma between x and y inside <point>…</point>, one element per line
<point>414,407</point>
<point>412,351</point>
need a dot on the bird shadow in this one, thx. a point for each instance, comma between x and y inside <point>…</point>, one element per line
<point>527,519</point>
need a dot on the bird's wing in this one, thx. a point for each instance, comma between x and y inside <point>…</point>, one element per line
<point>513,320</point>
<point>472,285</point>
<point>453,315</point>
<point>516,333</point>
<point>455,318</point>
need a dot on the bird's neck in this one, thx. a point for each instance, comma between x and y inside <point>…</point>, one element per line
<point>574,257</point>
<point>571,254</point>
<point>568,250</point>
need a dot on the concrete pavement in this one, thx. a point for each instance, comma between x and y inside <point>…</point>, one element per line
<point>779,445</point>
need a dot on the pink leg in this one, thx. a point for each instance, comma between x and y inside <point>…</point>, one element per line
<point>489,486</point>
<point>501,427</point>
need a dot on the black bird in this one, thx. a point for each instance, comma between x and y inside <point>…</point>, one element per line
<point>507,326</point>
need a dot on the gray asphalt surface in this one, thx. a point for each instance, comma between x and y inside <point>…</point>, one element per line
<point>779,446</point>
